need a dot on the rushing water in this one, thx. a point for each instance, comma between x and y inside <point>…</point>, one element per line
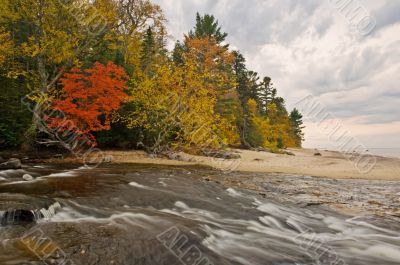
<point>150,215</point>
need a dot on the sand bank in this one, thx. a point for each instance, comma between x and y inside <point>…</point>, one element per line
<point>330,164</point>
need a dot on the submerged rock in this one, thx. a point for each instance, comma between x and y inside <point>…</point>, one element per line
<point>24,216</point>
<point>17,217</point>
<point>28,177</point>
<point>13,163</point>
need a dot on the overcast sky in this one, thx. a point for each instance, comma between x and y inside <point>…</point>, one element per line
<point>311,47</point>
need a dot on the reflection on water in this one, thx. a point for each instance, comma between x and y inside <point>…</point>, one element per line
<point>136,214</point>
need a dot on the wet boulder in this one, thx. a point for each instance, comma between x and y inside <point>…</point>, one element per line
<point>17,217</point>
<point>13,163</point>
<point>27,177</point>
<point>23,216</point>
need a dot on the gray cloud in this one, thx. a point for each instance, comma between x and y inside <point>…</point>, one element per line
<point>388,14</point>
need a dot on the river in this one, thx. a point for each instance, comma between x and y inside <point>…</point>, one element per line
<point>153,215</point>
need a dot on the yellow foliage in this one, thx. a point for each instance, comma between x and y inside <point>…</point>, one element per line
<point>58,38</point>
<point>212,63</point>
<point>176,102</point>
<point>252,105</point>
<point>133,50</point>
<point>6,46</point>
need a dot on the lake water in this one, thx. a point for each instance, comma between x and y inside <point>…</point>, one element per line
<point>387,152</point>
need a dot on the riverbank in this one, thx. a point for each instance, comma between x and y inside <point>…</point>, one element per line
<point>304,176</point>
<point>327,164</point>
<point>312,177</point>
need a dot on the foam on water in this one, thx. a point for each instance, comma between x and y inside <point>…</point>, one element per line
<point>40,166</point>
<point>281,227</point>
<point>235,226</point>
<point>137,185</point>
<point>123,219</point>
<point>68,214</point>
<point>163,183</point>
<point>63,174</point>
<point>234,193</point>
<point>13,173</point>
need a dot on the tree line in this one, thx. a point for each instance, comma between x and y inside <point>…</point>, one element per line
<point>104,66</point>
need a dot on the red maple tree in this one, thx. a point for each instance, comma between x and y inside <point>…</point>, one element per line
<point>89,97</point>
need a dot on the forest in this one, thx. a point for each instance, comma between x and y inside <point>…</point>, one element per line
<point>101,71</point>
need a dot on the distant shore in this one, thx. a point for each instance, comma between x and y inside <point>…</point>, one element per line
<point>326,164</point>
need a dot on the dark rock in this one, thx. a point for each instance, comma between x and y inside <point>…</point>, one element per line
<point>231,155</point>
<point>17,217</point>
<point>13,163</point>
<point>20,216</point>
<point>262,149</point>
<point>309,204</point>
<point>318,154</point>
<point>289,153</point>
<point>60,156</point>
<point>222,154</point>
<point>2,160</point>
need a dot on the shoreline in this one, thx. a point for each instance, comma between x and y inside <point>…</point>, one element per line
<point>302,178</point>
<point>329,165</point>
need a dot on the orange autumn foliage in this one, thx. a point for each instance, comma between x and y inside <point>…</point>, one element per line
<point>89,98</point>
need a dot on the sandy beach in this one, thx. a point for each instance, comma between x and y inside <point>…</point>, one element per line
<point>331,164</point>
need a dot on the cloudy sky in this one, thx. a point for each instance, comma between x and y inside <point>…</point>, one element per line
<point>326,48</point>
